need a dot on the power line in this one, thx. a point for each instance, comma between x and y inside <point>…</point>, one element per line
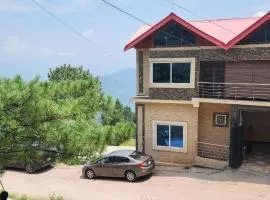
<point>195,14</point>
<point>142,21</point>
<point>148,24</point>
<point>202,18</point>
<point>75,31</point>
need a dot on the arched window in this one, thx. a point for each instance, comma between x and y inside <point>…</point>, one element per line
<point>173,35</point>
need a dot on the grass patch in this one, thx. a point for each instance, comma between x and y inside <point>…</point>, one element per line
<point>24,197</point>
<point>14,197</point>
<point>129,143</point>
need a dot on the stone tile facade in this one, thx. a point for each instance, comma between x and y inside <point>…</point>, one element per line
<point>232,55</point>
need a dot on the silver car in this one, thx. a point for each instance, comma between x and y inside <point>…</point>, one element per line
<point>121,163</point>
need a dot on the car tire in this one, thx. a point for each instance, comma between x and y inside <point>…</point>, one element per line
<point>90,174</point>
<point>29,168</point>
<point>130,176</point>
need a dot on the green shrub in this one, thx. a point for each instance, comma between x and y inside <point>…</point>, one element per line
<point>55,197</point>
<point>120,133</point>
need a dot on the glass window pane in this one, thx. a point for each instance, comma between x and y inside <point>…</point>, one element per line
<point>118,159</point>
<point>162,135</point>
<point>181,72</point>
<point>161,73</point>
<point>188,38</point>
<point>177,136</point>
<point>160,39</point>
<point>137,155</point>
<point>268,32</point>
<point>106,160</point>
<point>173,35</point>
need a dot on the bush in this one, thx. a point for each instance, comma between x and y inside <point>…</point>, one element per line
<point>120,133</point>
<point>55,197</point>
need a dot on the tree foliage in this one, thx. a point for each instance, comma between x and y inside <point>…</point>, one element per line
<point>60,113</point>
<point>69,73</point>
<point>45,113</point>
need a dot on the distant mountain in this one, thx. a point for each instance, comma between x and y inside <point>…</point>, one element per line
<point>121,85</point>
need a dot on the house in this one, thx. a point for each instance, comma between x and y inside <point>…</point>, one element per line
<point>203,87</point>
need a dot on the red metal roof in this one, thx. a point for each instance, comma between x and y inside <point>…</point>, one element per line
<point>224,33</point>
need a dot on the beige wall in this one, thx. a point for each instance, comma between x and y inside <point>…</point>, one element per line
<point>207,132</point>
<point>173,113</point>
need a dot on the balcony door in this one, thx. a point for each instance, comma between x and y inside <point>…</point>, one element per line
<point>212,77</point>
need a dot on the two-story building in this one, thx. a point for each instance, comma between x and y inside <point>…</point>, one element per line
<point>203,89</point>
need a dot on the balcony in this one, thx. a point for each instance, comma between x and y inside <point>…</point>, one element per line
<point>235,91</point>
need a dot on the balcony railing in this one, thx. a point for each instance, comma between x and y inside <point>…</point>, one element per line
<point>237,91</point>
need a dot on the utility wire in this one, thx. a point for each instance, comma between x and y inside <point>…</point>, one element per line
<point>148,24</point>
<point>195,14</point>
<point>202,18</point>
<point>75,31</point>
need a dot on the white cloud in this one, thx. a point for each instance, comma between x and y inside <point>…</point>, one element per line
<point>259,13</point>
<point>14,45</point>
<point>65,54</point>
<point>88,33</point>
<point>13,6</point>
<point>45,51</point>
<point>56,7</point>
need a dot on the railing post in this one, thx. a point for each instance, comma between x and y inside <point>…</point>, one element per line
<point>253,92</point>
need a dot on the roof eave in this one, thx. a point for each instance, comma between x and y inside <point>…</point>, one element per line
<point>180,21</point>
<point>248,31</point>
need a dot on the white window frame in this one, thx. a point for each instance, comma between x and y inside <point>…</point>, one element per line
<point>192,62</point>
<point>164,148</point>
<point>216,120</point>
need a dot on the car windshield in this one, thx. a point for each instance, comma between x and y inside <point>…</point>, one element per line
<point>137,155</point>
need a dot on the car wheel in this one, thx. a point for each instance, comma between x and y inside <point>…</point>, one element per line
<point>29,168</point>
<point>89,173</point>
<point>130,176</point>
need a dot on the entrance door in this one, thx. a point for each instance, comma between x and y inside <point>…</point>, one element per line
<point>236,147</point>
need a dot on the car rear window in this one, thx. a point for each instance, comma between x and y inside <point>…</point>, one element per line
<point>137,155</point>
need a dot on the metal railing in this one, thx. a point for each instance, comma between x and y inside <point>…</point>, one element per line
<point>213,151</point>
<point>237,91</point>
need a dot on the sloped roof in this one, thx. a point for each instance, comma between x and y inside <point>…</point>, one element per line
<point>224,33</point>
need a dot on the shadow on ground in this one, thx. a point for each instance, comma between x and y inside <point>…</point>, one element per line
<point>39,171</point>
<point>206,174</point>
<point>139,180</point>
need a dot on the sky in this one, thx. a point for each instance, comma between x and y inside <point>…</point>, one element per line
<point>33,41</point>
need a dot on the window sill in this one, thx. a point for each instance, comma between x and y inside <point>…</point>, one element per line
<point>172,85</point>
<point>169,149</point>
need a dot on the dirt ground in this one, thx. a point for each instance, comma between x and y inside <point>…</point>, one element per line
<point>166,183</point>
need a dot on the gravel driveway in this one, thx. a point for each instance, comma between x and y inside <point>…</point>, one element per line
<point>166,183</point>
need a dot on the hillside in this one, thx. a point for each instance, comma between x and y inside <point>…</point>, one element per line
<point>121,85</point>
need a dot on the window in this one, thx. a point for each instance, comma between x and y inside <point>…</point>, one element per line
<point>173,35</point>
<point>161,72</point>
<point>221,119</point>
<point>176,72</point>
<point>137,155</point>
<point>170,135</point>
<point>119,159</point>
<point>106,160</point>
<point>262,35</point>
<point>181,72</point>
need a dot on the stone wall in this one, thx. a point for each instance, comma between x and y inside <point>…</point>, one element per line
<point>232,55</point>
